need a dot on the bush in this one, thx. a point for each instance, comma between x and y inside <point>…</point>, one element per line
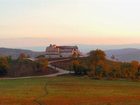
<point>79,69</point>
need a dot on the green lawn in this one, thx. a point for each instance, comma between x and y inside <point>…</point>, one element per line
<point>69,90</point>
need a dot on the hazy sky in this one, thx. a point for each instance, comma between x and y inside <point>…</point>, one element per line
<point>72,21</point>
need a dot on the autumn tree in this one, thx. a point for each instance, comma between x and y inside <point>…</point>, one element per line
<point>79,68</point>
<point>138,73</point>
<point>42,63</point>
<point>97,55</point>
<point>75,54</point>
<point>75,65</point>
<point>130,70</point>
<point>97,63</point>
<point>114,70</point>
<point>134,69</point>
<point>4,65</point>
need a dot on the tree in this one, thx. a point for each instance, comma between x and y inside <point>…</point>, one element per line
<point>75,54</point>
<point>114,70</point>
<point>42,64</point>
<point>134,69</point>
<point>79,68</point>
<point>75,65</point>
<point>4,65</point>
<point>125,70</point>
<point>97,55</point>
<point>97,63</point>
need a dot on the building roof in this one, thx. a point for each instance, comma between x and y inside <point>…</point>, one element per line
<point>67,47</point>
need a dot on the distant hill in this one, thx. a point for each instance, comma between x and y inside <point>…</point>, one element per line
<point>86,48</point>
<point>14,53</point>
<point>127,54</point>
<point>121,52</point>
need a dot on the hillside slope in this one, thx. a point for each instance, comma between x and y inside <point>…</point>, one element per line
<point>14,53</point>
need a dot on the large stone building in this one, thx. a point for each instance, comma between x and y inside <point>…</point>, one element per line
<point>54,51</point>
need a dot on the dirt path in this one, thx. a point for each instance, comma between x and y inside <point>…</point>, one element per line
<point>60,72</point>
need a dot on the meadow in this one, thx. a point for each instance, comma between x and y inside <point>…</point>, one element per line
<point>69,90</point>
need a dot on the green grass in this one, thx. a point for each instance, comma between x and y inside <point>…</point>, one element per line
<point>69,90</point>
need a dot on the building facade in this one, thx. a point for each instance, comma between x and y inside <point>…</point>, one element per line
<point>54,51</point>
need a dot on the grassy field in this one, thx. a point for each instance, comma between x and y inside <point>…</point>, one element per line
<point>69,91</point>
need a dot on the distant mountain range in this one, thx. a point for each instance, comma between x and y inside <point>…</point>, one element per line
<point>86,48</point>
<point>125,54</point>
<point>14,53</point>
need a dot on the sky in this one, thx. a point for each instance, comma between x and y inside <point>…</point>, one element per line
<point>69,22</point>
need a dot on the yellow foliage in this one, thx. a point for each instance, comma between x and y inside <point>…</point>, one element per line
<point>75,62</point>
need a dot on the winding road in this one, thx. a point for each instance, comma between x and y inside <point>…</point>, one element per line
<point>60,72</point>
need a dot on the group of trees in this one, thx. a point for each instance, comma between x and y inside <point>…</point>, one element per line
<point>97,66</point>
<point>22,66</point>
<point>130,70</point>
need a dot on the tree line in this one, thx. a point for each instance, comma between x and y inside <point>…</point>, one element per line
<point>22,66</point>
<point>97,66</point>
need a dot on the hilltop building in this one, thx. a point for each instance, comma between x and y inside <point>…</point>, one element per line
<point>54,51</point>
